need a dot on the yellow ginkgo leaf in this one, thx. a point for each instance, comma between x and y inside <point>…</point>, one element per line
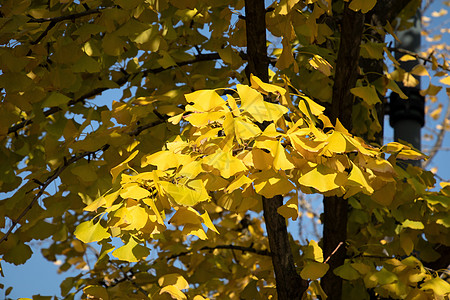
<point>173,292</point>
<point>323,179</point>
<point>131,251</point>
<point>313,252</point>
<point>314,270</point>
<point>319,63</point>
<point>134,191</point>
<point>253,103</point>
<point>270,183</point>
<point>420,70</point>
<point>357,179</point>
<point>290,209</point>
<point>203,101</point>
<point>185,215</point>
<point>280,157</point>
<point>445,80</point>
<point>89,231</point>
<point>173,279</point>
<point>189,194</point>
<point>208,223</point>
<point>225,162</point>
<point>122,166</point>
<point>439,286</point>
<point>241,181</point>
<point>165,160</point>
<point>195,229</point>
<point>266,87</point>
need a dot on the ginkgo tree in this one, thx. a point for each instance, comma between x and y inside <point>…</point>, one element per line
<point>230,112</point>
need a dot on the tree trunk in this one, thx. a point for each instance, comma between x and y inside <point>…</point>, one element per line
<point>336,208</point>
<point>290,286</point>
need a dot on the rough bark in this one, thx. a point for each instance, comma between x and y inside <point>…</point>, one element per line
<point>290,286</point>
<point>336,208</point>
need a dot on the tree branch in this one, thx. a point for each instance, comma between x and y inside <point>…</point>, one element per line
<point>230,247</point>
<point>69,17</point>
<point>289,284</point>
<point>417,56</point>
<point>46,183</point>
<point>121,81</point>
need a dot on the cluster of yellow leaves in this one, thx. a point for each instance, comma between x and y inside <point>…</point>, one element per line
<point>234,150</point>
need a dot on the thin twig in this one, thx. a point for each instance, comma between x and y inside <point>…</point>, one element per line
<point>417,56</point>
<point>120,82</point>
<point>334,251</point>
<point>68,17</point>
<point>133,282</point>
<point>231,247</point>
<point>44,186</point>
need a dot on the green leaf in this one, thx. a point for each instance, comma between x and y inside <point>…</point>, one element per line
<point>363,5</point>
<point>19,254</point>
<point>55,99</point>
<point>347,272</point>
<point>314,270</point>
<point>131,251</point>
<point>367,93</point>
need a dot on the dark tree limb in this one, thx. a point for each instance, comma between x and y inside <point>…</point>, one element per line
<point>336,208</point>
<point>229,247</point>
<point>120,82</point>
<point>70,17</point>
<point>289,284</point>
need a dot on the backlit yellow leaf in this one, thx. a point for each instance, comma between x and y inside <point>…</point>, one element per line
<point>241,181</point>
<point>270,183</point>
<point>323,179</point>
<point>413,224</point>
<point>203,101</point>
<point>395,88</point>
<point>175,280</point>
<point>445,80</point>
<point>266,87</point>
<point>280,158</point>
<point>134,191</point>
<point>195,229</point>
<point>188,194</point>
<point>174,292</point>
<point>313,252</point>
<point>89,231</point>
<point>319,63</point>
<point>420,70</point>
<point>208,223</point>
<point>407,57</point>
<point>253,103</point>
<point>122,166</point>
<point>225,162</point>
<point>439,286</point>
